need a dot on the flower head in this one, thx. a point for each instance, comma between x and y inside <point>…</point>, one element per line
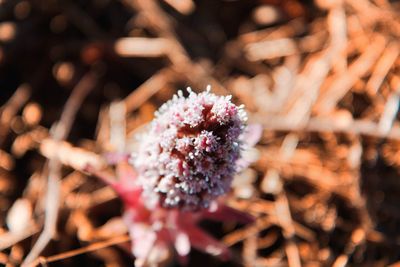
<point>187,158</point>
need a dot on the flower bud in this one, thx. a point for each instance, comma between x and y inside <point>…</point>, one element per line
<point>187,157</point>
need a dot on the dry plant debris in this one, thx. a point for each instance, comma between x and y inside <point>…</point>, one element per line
<point>79,78</point>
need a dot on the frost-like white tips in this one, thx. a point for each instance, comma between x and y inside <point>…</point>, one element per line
<point>188,156</point>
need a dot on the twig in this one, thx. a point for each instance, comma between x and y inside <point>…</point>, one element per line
<point>76,252</point>
<point>282,208</point>
<point>142,47</point>
<point>82,20</point>
<point>147,89</point>
<point>6,160</point>
<point>382,68</point>
<point>345,81</point>
<point>4,259</point>
<point>161,23</point>
<point>268,49</point>
<point>8,239</point>
<point>59,133</point>
<point>358,127</point>
<point>183,6</point>
<point>241,234</point>
<point>357,237</point>
<point>308,85</point>
<point>68,155</point>
<point>389,113</point>
<point>118,126</point>
<point>285,219</point>
<point>17,100</point>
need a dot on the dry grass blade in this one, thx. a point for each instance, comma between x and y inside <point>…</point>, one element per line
<point>344,82</point>
<point>68,155</point>
<point>147,89</point>
<point>142,47</point>
<point>282,208</point>
<point>382,67</point>
<point>9,239</point>
<point>183,6</point>
<point>8,111</point>
<point>87,249</point>
<point>59,133</point>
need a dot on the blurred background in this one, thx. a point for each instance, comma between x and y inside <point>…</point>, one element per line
<point>321,77</point>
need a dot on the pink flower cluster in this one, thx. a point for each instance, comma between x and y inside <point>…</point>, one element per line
<point>184,161</point>
<point>188,156</point>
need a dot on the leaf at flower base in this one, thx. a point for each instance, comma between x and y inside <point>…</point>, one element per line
<point>126,185</point>
<point>123,182</point>
<point>224,213</point>
<point>204,242</point>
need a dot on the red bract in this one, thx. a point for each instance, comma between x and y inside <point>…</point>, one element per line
<point>154,232</point>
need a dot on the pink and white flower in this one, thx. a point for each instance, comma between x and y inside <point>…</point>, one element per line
<point>185,160</point>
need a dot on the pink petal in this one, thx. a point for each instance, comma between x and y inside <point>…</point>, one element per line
<point>150,246</point>
<point>182,244</point>
<point>175,219</point>
<point>143,239</point>
<point>249,138</point>
<point>252,135</point>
